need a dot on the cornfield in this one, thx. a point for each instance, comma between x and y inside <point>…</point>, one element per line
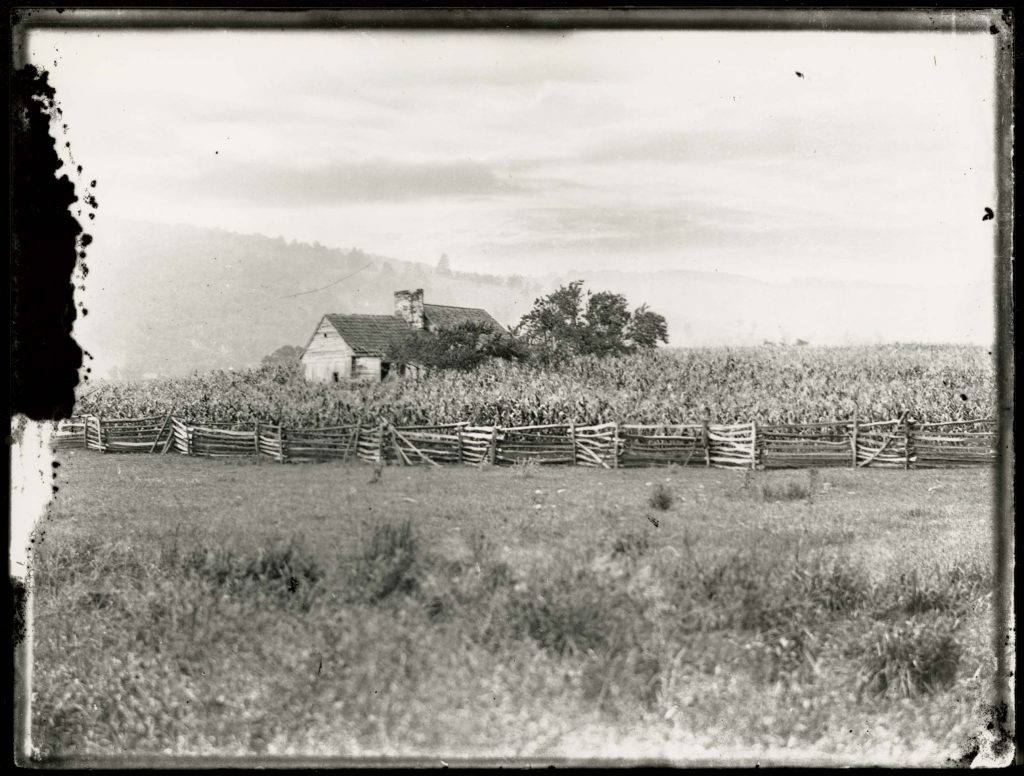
<point>726,385</point>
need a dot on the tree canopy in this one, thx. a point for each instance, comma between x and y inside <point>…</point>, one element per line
<point>572,321</point>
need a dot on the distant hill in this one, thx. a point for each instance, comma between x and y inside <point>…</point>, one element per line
<point>166,300</point>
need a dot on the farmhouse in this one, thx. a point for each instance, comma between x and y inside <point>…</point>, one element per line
<point>354,347</point>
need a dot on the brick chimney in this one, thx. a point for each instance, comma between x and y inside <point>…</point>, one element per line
<point>409,307</point>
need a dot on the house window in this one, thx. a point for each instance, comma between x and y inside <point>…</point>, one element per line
<point>334,375</point>
<point>385,367</point>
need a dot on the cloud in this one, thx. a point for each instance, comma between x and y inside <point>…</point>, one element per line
<point>338,182</point>
<point>639,147</point>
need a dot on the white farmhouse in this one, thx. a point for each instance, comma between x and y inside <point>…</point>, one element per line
<point>353,347</point>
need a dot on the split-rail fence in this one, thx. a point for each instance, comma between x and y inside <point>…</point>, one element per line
<point>903,443</point>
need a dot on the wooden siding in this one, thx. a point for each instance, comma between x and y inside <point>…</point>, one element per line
<point>326,354</point>
<point>367,368</point>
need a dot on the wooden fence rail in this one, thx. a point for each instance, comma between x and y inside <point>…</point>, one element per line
<point>901,443</point>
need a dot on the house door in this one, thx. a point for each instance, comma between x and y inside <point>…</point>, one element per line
<point>385,369</point>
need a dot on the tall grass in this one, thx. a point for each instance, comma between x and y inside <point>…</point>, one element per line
<point>905,659</point>
<point>388,563</point>
<point>151,661</point>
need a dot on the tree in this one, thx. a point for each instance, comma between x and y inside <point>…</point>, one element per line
<point>554,326</point>
<point>444,266</point>
<point>286,354</point>
<point>647,328</point>
<point>605,323</point>
<point>570,321</point>
<point>462,347</point>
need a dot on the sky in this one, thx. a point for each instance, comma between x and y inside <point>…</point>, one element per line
<point>846,156</point>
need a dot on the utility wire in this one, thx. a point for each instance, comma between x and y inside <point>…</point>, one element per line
<point>303,293</point>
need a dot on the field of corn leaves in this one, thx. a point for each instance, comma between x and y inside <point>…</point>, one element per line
<point>188,607</point>
<point>727,385</point>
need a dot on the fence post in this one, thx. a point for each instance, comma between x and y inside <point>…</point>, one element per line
<point>615,446</point>
<point>99,435</point>
<point>706,439</point>
<point>280,440</point>
<point>189,433</point>
<point>493,452</point>
<point>906,442</point>
<point>170,437</point>
<point>354,440</point>
<point>395,446</point>
<point>380,442</point>
<point>160,433</point>
<point>458,437</point>
<point>853,442</point>
<point>572,440</point>
<point>753,445</point>
<point>256,440</point>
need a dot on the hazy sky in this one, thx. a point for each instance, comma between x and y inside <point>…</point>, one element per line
<point>531,152</point>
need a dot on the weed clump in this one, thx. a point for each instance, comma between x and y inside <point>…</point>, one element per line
<point>631,544</point>
<point>791,490</point>
<point>524,468</point>
<point>789,651</point>
<point>910,658</point>
<point>388,562</point>
<point>952,591</point>
<point>572,611</point>
<point>289,564</point>
<point>837,587</point>
<point>662,498</point>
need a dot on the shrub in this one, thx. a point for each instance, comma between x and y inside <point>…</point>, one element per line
<point>910,658</point>
<point>661,498</point>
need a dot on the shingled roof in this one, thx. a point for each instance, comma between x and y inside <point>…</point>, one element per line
<point>444,316</point>
<point>368,334</point>
<point>371,334</point>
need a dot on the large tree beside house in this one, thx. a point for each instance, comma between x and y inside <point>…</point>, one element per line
<point>362,347</point>
<point>572,321</point>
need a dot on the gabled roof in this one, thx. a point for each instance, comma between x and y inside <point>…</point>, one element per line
<point>368,334</point>
<point>443,316</point>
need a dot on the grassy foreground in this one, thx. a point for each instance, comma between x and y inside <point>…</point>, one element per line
<point>189,606</point>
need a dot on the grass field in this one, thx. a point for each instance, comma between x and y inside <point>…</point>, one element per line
<point>190,606</point>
